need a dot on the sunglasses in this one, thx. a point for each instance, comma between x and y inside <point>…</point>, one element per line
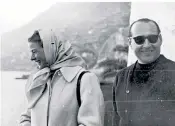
<point>141,39</point>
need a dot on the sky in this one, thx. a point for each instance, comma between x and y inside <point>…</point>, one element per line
<point>15,13</point>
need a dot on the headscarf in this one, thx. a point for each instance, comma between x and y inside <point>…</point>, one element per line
<point>58,54</point>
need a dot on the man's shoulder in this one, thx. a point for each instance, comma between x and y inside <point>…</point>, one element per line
<point>169,64</point>
<point>125,70</point>
<point>121,76</point>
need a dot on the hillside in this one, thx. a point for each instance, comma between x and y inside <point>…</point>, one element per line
<point>96,30</point>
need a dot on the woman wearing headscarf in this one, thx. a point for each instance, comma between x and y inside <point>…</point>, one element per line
<point>51,90</point>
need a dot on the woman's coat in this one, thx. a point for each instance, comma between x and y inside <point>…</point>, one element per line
<point>51,92</point>
<point>58,105</point>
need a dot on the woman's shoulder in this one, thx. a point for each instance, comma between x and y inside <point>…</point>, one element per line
<point>70,73</point>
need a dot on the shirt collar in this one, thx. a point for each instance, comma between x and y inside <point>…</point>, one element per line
<point>69,73</point>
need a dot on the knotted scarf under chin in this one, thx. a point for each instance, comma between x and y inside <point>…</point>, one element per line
<point>38,84</point>
<point>58,55</point>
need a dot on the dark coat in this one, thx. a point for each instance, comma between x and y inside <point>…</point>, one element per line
<point>150,104</point>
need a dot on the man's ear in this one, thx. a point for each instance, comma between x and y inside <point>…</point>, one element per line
<point>160,37</point>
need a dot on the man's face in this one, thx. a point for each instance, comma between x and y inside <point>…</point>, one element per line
<point>146,50</point>
<point>37,55</point>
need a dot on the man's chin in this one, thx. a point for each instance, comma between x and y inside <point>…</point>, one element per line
<point>147,60</point>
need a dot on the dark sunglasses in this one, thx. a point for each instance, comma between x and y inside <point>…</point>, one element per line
<point>141,39</point>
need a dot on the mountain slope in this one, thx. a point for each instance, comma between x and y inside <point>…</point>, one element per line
<point>87,25</point>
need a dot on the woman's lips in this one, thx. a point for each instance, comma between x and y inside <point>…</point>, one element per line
<point>38,62</point>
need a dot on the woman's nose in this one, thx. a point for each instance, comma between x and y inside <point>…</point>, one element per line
<point>32,57</point>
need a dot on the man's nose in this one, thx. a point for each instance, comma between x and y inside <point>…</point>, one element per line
<point>146,43</point>
<point>32,57</point>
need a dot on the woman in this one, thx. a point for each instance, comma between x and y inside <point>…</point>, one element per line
<point>51,91</point>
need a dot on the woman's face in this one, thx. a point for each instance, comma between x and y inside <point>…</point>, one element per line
<point>37,54</point>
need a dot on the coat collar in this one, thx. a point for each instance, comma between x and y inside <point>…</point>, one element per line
<point>69,73</point>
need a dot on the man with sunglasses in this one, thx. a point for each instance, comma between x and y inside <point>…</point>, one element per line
<point>144,93</point>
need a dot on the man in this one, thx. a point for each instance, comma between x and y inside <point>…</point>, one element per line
<point>52,90</point>
<point>144,93</point>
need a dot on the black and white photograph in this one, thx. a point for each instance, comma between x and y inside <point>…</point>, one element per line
<point>87,63</point>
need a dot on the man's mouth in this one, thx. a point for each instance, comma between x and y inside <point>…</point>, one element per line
<point>147,51</point>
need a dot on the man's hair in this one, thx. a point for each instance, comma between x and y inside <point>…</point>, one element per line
<point>35,38</point>
<point>145,20</point>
